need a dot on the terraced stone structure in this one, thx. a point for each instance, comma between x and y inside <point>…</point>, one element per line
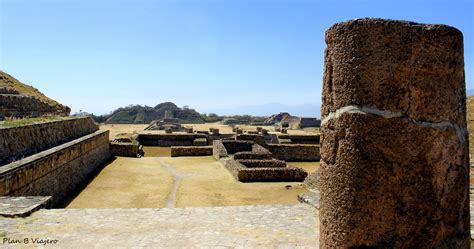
<point>18,100</point>
<point>65,155</point>
<point>248,161</point>
<point>394,160</point>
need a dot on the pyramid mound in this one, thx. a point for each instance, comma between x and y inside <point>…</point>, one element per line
<point>18,100</point>
<point>144,114</point>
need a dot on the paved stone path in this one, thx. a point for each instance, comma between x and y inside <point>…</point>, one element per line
<point>266,226</point>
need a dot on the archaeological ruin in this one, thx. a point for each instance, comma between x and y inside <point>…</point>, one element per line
<point>386,166</point>
<point>394,159</point>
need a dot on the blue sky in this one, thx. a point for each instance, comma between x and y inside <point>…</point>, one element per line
<point>215,56</point>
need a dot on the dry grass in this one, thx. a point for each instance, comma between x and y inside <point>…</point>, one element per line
<point>144,182</point>
<point>7,81</point>
<point>127,183</point>
<point>28,121</point>
<point>120,130</point>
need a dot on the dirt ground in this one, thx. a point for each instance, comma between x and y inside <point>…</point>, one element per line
<point>125,183</point>
<point>155,151</point>
<point>179,182</point>
<point>117,129</point>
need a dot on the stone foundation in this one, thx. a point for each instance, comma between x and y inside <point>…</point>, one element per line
<point>295,152</point>
<point>22,141</point>
<point>160,139</point>
<point>268,174</point>
<point>58,171</point>
<point>300,139</point>
<point>126,149</point>
<point>262,163</point>
<point>191,151</point>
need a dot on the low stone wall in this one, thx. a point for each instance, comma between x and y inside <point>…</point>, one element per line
<point>301,139</point>
<point>295,152</point>
<point>191,151</point>
<point>252,155</point>
<point>218,150</point>
<point>259,139</point>
<point>276,174</point>
<point>126,149</point>
<point>57,171</point>
<point>181,139</point>
<point>265,163</point>
<point>22,141</point>
<point>21,106</point>
<point>258,152</point>
<point>233,146</point>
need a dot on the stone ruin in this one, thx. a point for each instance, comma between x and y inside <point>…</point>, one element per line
<point>126,147</point>
<point>45,162</point>
<point>169,125</point>
<point>16,104</point>
<point>394,160</point>
<point>247,161</point>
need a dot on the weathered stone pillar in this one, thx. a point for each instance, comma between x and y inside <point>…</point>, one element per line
<point>394,162</point>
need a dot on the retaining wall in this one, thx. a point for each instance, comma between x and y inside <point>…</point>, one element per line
<point>183,139</point>
<point>22,141</point>
<point>126,149</point>
<point>273,174</point>
<point>233,146</point>
<point>57,171</point>
<point>301,139</point>
<point>191,151</point>
<point>295,152</point>
<point>21,106</point>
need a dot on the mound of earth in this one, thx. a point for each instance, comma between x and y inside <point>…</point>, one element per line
<point>18,100</point>
<point>144,114</point>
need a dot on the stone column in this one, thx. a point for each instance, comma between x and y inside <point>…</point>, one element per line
<point>394,162</point>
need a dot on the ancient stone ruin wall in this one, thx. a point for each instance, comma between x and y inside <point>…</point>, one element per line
<point>295,152</point>
<point>259,139</point>
<point>57,171</point>
<point>22,141</point>
<point>309,122</point>
<point>394,162</point>
<point>191,151</point>
<point>264,174</point>
<point>259,163</point>
<point>218,150</point>
<point>20,106</point>
<point>126,149</point>
<point>300,139</point>
<point>234,146</point>
<point>159,139</point>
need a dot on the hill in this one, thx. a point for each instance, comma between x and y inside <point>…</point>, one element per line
<point>137,114</point>
<point>18,100</point>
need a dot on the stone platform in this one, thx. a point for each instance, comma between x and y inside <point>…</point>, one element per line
<point>266,226</point>
<point>20,206</point>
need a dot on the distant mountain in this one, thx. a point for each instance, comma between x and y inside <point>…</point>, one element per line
<point>20,100</point>
<point>304,110</point>
<point>137,114</point>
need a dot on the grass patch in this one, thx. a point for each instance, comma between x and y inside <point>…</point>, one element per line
<point>28,121</point>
